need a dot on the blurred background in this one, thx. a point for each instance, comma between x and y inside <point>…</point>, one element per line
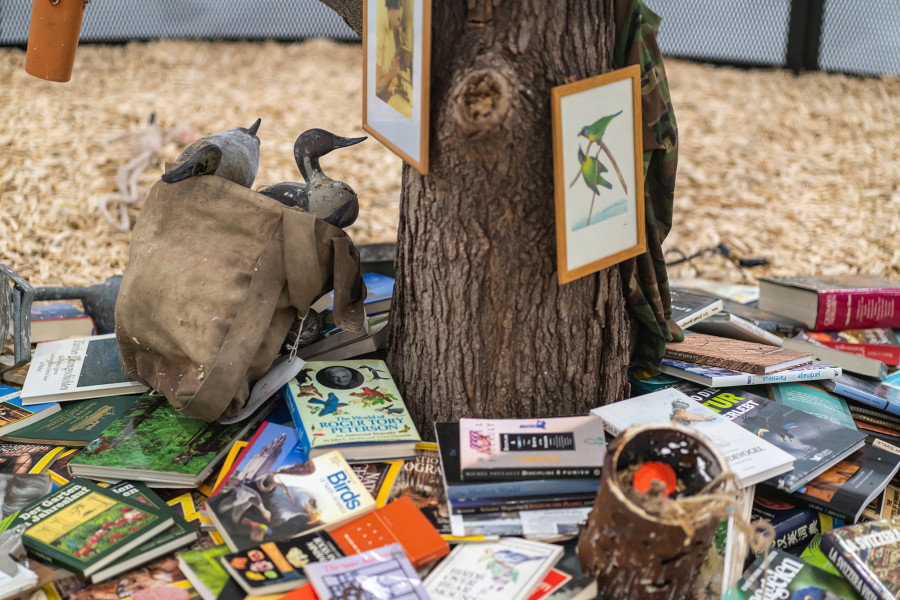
<point>788,112</point>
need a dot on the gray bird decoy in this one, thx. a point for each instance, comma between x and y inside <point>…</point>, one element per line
<point>333,201</point>
<point>232,155</point>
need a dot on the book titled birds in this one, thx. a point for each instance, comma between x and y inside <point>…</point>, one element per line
<point>531,448</point>
<point>354,406</point>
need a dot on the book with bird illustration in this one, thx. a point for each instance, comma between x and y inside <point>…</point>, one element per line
<point>322,493</point>
<point>510,568</point>
<point>353,406</point>
<point>546,448</point>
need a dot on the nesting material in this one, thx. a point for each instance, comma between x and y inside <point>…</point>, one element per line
<point>802,170</point>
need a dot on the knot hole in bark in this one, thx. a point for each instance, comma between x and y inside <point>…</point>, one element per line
<point>481,102</point>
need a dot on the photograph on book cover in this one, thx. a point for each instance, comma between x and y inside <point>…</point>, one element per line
<point>396,80</point>
<point>598,172</point>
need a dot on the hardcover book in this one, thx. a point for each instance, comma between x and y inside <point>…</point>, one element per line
<point>547,448</point>
<point>835,302</point>
<point>752,458</point>
<point>845,489</point>
<point>322,493</point>
<point>398,522</point>
<point>722,377</point>
<point>57,321</point>
<point>180,534</point>
<point>447,435</point>
<point>14,416</point>
<point>380,573</point>
<point>868,556</point>
<point>352,406</point>
<point>154,443</point>
<point>764,319</point>
<point>77,423</point>
<point>340,341</point>
<point>879,343</point>
<point>379,291</point>
<point>421,480</point>
<point>778,574</point>
<point>860,365</point>
<point>77,368</point>
<point>204,570</point>
<point>690,307</point>
<point>83,527</point>
<point>738,355</point>
<point>510,568</point>
<point>814,442</point>
<point>795,523</point>
<point>278,567</point>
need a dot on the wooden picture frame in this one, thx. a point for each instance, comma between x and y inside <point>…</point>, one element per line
<point>598,171</point>
<point>396,109</point>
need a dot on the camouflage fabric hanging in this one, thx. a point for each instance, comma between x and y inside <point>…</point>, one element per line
<point>644,278</point>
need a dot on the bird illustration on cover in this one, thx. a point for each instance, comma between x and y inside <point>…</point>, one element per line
<point>592,168</point>
<point>330,405</point>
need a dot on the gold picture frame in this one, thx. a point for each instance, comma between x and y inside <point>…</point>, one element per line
<point>396,76</point>
<point>598,172</point>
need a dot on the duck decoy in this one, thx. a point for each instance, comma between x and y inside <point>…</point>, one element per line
<point>231,154</point>
<point>333,201</point>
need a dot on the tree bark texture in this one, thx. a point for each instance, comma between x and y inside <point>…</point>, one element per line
<point>479,325</point>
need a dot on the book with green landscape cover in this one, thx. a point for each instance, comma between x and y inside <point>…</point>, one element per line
<point>208,577</point>
<point>155,443</point>
<point>180,534</point>
<point>77,423</point>
<point>84,527</point>
<point>352,406</point>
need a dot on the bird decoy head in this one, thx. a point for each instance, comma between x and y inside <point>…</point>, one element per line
<point>318,142</point>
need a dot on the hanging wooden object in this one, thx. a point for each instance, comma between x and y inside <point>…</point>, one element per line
<point>637,550</point>
<point>53,38</point>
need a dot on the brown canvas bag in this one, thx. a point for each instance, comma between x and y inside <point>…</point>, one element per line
<point>216,275</point>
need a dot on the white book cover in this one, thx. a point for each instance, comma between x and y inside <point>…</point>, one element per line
<point>382,573</point>
<point>510,568</point>
<point>75,369</point>
<point>548,448</point>
<point>752,458</point>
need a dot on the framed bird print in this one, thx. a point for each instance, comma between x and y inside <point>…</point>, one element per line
<point>598,172</point>
<point>396,76</point>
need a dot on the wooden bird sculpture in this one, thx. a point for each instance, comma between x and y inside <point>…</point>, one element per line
<point>231,154</point>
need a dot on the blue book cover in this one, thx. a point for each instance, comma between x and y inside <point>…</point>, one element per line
<point>274,448</point>
<point>815,401</point>
<point>14,416</point>
<point>880,395</point>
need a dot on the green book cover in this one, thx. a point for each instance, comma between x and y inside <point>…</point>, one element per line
<point>813,555</point>
<point>180,534</point>
<point>153,442</point>
<point>346,402</point>
<point>77,423</point>
<point>204,569</point>
<point>813,400</point>
<point>787,577</point>
<point>84,527</point>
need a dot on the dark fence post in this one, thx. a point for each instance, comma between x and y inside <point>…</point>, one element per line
<point>804,35</point>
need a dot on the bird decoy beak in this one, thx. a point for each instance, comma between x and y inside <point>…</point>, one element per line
<point>342,142</point>
<point>255,127</point>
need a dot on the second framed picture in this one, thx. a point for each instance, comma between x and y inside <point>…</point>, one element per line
<point>598,172</point>
<point>396,78</point>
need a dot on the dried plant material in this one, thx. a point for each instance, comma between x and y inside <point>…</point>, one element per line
<point>802,170</point>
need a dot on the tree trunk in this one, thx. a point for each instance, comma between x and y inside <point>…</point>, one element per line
<point>479,325</point>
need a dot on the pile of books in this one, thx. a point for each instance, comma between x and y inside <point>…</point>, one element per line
<point>326,488</point>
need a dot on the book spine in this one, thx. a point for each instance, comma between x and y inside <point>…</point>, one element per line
<point>889,355</point>
<point>792,376</point>
<point>483,509</point>
<point>72,566</point>
<point>848,566</point>
<point>531,473</point>
<point>291,402</point>
<point>700,315</point>
<point>715,361</point>
<point>509,489</point>
<point>858,395</point>
<point>858,309</point>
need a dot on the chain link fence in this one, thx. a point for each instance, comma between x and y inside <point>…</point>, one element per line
<point>853,36</point>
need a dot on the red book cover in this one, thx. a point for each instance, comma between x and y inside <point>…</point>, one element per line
<point>304,592</point>
<point>858,309</point>
<point>878,343</point>
<point>400,521</point>
<point>552,581</point>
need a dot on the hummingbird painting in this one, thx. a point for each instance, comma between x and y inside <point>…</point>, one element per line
<point>592,172</point>
<point>595,131</point>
